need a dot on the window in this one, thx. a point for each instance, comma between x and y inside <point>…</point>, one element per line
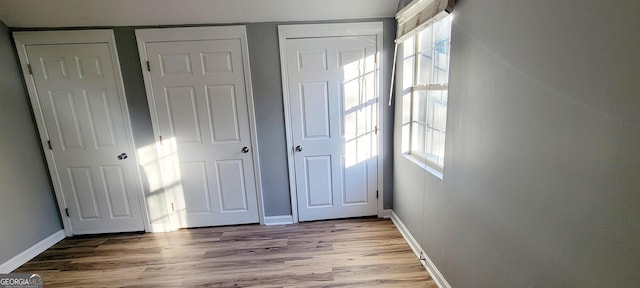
<point>426,84</point>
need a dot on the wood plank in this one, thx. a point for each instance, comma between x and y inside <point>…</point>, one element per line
<point>367,252</point>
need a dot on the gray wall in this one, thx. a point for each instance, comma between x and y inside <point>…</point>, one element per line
<point>542,172</point>
<point>264,57</point>
<point>28,212</point>
<point>267,92</point>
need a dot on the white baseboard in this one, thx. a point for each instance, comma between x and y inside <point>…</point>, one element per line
<point>386,214</point>
<point>278,220</point>
<point>427,263</point>
<point>31,252</point>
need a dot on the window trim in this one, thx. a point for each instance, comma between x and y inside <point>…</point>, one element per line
<point>420,13</point>
<point>422,164</point>
<point>421,159</point>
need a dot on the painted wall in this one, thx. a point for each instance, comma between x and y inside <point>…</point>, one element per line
<point>267,92</point>
<point>264,57</point>
<point>28,213</point>
<point>542,172</point>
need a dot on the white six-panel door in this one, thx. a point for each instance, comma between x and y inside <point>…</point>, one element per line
<point>332,85</point>
<point>201,114</point>
<point>81,107</point>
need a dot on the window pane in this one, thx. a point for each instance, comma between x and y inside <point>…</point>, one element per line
<point>425,56</point>
<point>430,143</point>
<point>419,122</point>
<point>420,104</point>
<point>408,63</point>
<point>418,139</point>
<point>441,51</point>
<point>442,30</point>
<point>408,68</point>
<point>436,126</point>
<point>406,122</point>
<point>427,106</point>
<point>437,109</point>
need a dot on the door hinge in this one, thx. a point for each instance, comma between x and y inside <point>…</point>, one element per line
<point>30,70</point>
<point>148,66</point>
<point>160,139</point>
<point>377,194</point>
<point>173,207</point>
<point>376,129</point>
<point>49,144</point>
<point>66,211</point>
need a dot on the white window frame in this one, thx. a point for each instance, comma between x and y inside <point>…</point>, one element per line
<point>410,152</point>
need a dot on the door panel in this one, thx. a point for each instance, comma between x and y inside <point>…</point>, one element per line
<point>195,187</point>
<point>223,112</point>
<point>99,111</point>
<point>89,67</point>
<point>333,104</point>
<point>355,177</point>
<point>182,114</point>
<point>217,62</point>
<point>231,185</point>
<point>319,190</point>
<point>201,106</point>
<point>312,60</point>
<point>114,180</point>
<point>178,63</point>
<point>84,192</point>
<point>65,116</point>
<point>84,118</point>
<point>315,110</point>
<point>53,67</point>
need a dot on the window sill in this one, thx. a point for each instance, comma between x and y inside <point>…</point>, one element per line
<point>424,166</point>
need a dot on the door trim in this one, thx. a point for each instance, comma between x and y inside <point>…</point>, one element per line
<point>329,30</point>
<point>22,39</point>
<point>205,33</point>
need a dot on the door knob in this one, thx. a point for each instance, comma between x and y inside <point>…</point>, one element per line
<point>245,149</point>
<point>299,148</point>
<point>122,156</point>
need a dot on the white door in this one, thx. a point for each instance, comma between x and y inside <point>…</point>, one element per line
<point>201,114</point>
<point>89,139</point>
<point>332,84</point>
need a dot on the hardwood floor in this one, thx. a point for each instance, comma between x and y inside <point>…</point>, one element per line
<point>366,252</point>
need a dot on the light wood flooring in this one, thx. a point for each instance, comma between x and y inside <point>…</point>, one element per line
<point>366,252</point>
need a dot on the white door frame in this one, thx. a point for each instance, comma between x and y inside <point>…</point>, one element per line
<point>22,39</point>
<point>329,30</point>
<point>205,33</point>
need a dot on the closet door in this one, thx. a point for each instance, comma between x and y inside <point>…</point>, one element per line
<point>81,112</point>
<point>334,105</point>
<point>331,89</point>
<point>201,117</point>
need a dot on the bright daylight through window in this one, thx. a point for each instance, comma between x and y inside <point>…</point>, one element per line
<point>426,84</point>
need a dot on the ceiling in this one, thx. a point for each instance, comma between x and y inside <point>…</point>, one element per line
<point>75,13</point>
